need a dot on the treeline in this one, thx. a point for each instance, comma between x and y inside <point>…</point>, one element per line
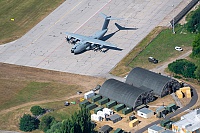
<point>79,122</point>
<point>184,67</point>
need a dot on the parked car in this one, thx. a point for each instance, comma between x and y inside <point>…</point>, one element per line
<point>178,48</point>
<point>152,60</point>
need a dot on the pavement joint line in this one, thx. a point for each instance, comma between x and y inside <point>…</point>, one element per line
<point>75,30</point>
<point>47,29</point>
<point>92,16</point>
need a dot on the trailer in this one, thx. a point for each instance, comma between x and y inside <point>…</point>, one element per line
<point>127,110</point>
<point>84,103</point>
<point>111,104</point>
<point>103,101</point>
<point>96,98</point>
<point>119,107</point>
<point>91,106</point>
<point>98,109</point>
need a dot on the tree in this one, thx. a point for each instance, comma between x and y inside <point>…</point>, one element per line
<point>37,110</point>
<point>79,122</point>
<point>55,128</point>
<point>193,24</point>
<point>196,47</point>
<point>197,72</point>
<point>46,123</point>
<point>28,123</point>
<point>183,67</point>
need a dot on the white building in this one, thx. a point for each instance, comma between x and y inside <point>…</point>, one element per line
<point>189,123</point>
<point>155,129</point>
<point>101,113</point>
<point>108,111</point>
<point>145,113</point>
<point>89,94</point>
<point>95,117</point>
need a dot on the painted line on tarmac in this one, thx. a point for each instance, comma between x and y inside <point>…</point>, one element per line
<point>51,27</point>
<point>92,16</point>
<point>76,29</point>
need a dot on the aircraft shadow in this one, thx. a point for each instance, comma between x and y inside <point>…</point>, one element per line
<point>106,37</point>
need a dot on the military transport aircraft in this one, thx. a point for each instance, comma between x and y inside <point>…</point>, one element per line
<point>94,42</point>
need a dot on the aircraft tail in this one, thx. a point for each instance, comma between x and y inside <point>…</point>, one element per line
<point>107,20</point>
<point>119,27</point>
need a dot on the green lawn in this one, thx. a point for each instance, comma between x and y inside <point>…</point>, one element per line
<point>37,91</point>
<point>162,47</point>
<point>26,14</point>
<point>10,120</point>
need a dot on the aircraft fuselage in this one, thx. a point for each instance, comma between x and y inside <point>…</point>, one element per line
<point>83,45</point>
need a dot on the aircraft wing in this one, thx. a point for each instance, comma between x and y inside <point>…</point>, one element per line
<point>77,36</point>
<point>90,40</point>
<point>101,43</point>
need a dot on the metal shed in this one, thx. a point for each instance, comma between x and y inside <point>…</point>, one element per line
<point>115,118</point>
<point>96,98</point>
<point>145,113</point>
<point>91,106</point>
<point>119,107</point>
<point>155,129</point>
<point>127,110</point>
<point>84,103</point>
<point>111,104</point>
<point>125,93</point>
<point>105,129</point>
<point>103,101</point>
<point>98,109</point>
<point>161,85</point>
<point>118,130</point>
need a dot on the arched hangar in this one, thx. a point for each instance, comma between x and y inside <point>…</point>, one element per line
<point>161,85</point>
<point>127,94</point>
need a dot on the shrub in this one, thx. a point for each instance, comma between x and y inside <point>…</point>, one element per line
<point>28,123</point>
<point>37,110</point>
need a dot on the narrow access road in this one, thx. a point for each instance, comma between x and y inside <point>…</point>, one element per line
<point>180,110</point>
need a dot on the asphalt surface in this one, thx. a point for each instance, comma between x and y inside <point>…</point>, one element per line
<point>180,110</point>
<point>44,46</point>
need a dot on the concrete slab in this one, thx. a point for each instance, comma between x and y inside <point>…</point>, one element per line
<point>45,46</point>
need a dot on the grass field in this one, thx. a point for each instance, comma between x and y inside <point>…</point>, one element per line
<point>10,120</point>
<point>161,48</point>
<point>22,87</point>
<point>34,91</point>
<point>123,67</point>
<point>26,14</point>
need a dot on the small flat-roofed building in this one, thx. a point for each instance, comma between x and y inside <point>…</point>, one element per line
<point>105,129</point>
<point>115,118</point>
<point>89,94</point>
<point>155,129</point>
<point>189,123</point>
<point>145,113</point>
<point>168,131</point>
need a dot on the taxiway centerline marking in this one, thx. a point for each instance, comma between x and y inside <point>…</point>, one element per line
<point>75,30</point>
<point>92,16</point>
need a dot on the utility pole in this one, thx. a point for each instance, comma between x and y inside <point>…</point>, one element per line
<point>173,21</point>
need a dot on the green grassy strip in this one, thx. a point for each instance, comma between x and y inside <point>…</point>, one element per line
<point>162,47</point>
<point>26,14</point>
<point>37,91</point>
<point>123,67</point>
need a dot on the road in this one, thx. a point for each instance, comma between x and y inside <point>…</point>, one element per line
<point>180,110</point>
<point>45,46</point>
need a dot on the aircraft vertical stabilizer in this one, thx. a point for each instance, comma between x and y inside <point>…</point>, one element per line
<point>107,20</point>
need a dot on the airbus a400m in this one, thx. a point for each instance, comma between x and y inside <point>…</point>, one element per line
<point>94,42</point>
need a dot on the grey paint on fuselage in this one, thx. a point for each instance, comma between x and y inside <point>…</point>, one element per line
<point>94,42</point>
